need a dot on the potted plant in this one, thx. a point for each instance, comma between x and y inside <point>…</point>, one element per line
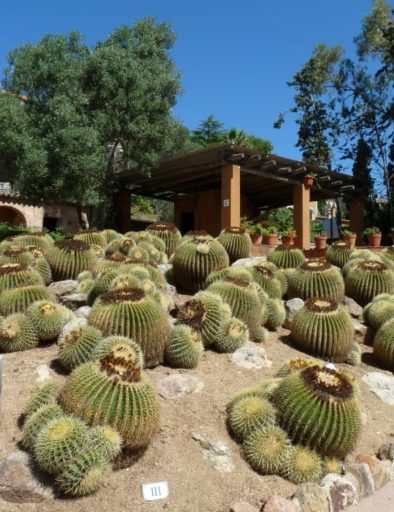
<point>288,236</point>
<point>374,236</point>
<point>309,179</point>
<point>350,238</point>
<point>270,235</point>
<point>319,235</point>
<point>256,233</point>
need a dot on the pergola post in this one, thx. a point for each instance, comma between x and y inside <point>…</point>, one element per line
<point>231,196</point>
<point>356,218</point>
<point>124,206</point>
<point>302,223</point>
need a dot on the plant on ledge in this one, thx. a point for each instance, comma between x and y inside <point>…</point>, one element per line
<point>374,236</point>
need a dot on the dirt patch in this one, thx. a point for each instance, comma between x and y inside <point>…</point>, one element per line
<point>174,455</point>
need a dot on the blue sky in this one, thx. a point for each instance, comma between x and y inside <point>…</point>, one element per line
<point>236,57</point>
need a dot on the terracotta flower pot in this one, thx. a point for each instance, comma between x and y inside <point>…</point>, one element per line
<point>287,240</point>
<point>350,240</point>
<point>271,239</point>
<point>374,240</point>
<point>320,242</point>
<point>256,238</point>
<point>308,181</point>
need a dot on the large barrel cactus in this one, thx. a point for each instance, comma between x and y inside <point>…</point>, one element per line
<point>131,313</point>
<point>17,255</point>
<point>316,278</point>
<point>70,257</point>
<point>48,318</point>
<point>244,301</point>
<point>114,391</point>
<point>389,253</point>
<point>267,278</point>
<point>17,300</point>
<point>286,256</point>
<point>229,272</point>
<point>339,253</point>
<point>368,279</point>
<point>39,240</point>
<point>237,242</point>
<point>323,328</point>
<point>383,345</point>
<point>319,407</point>
<point>168,233</point>
<point>17,333</point>
<point>92,237</point>
<point>379,311</point>
<point>194,260</point>
<point>14,275</point>
<point>185,348</point>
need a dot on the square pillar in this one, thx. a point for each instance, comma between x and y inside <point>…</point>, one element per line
<point>356,218</point>
<point>123,201</point>
<point>231,196</point>
<point>302,223</point>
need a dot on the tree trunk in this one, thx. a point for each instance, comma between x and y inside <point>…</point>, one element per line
<point>82,218</point>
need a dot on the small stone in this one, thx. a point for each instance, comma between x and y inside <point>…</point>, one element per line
<point>277,503</point>
<point>353,308</point>
<point>382,385</point>
<point>251,357</point>
<point>311,498</point>
<point>378,472</point>
<point>342,491</point>
<point>364,477</point>
<point>170,289</point>
<point>218,453</point>
<point>292,306</point>
<point>60,288</point>
<point>386,451</point>
<point>249,262</point>
<point>360,331</point>
<point>164,267</point>
<point>242,506</point>
<point>43,372</point>
<point>18,484</point>
<point>178,385</point>
<point>388,466</point>
<point>83,312</point>
<point>74,301</point>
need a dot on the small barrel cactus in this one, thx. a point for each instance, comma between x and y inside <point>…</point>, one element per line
<point>276,313</point>
<point>194,260</point>
<point>286,256</point>
<point>37,421</point>
<point>323,328</point>
<point>237,243</point>
<point>14,275</point>
<point>18,300</point>
<point>368,279</point>
<point>267,450</point>
<point>319,407</point>
<point>17,255</point>
<point>303,465</point>
<point>267,278</point>
<point>67,258</point>
<point>233,333</point>
<point>248,414</point>
<point>117,379</point>
<point>185,348</point>
<point>295,365</point>
<point>92,237</point>
<point>168,233</point>
<point>76,344</point>
<point>204,314</point>
<point>131,313</point>
<point>379,311</point>
<point>42,266</point>
<point>45,394</point>
<point>229,272</point>
<point>110,235</point>
<point>153,253</point>
<point>106,440</point>
<point>17,333</point>
<point>138,255</point>
<point>383,345</point>
<point>316,278</point>
<point>58,442</point>
<point>39,240</point>
<point>339,253</point>
<point>48,318</point>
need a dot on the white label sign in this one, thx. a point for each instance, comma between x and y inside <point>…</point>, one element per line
<point>226,202</point>
<point>156,491</point>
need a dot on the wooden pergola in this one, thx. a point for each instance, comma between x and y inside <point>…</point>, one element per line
<point>266,181</point>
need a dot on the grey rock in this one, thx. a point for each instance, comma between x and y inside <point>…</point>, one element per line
<point>342,491</point>
<point>386,451</point>
<point>388,466</point>
<point>378,472</point>
<point>360,331</point>
<point>250,357</point>
<point>291,307</point>
<point>218,453</point>
<point>242,506</point>
<point>249,262</point>
<point>60,288</point>
<point>18,483</point>
<point>43,372</point>
<point>382,385</point>
<point>83,312</point>
<point>74,301</point>
<point>164,267</point>
<point>170,289</point>
<point>353,308</point>
<point>178,385</point>
<point>277,503</point>
<point>364,477</point>
<point>311,498</point>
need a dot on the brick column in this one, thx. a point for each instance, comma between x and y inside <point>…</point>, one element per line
<point>123,205</point>
<point>356,218</point>
<point>231,196</point>
<point>302,224</point>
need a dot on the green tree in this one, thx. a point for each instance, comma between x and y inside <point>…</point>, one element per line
<point>84,107</point>
<point>209,131</point>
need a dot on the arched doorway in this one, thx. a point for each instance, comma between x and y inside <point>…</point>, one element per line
<point>11,215</point>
